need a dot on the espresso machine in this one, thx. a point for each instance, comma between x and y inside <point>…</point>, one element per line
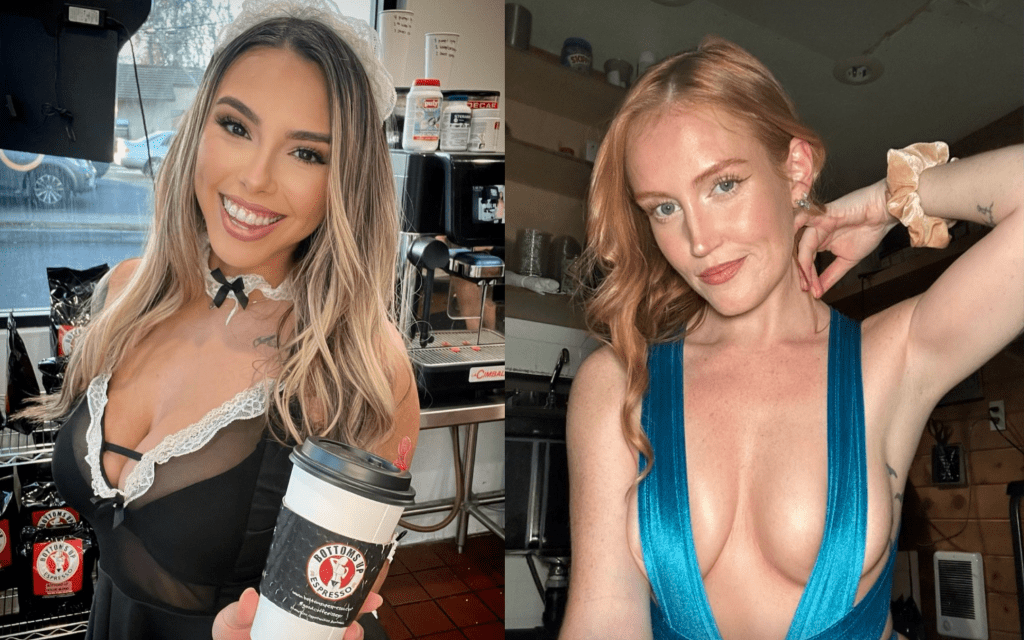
<point>459,197</point>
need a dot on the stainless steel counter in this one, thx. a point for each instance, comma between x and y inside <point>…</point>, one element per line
<point>454,415</point>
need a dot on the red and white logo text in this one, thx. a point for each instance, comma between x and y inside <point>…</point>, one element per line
<point>57,567</point>
<point>335,570</point>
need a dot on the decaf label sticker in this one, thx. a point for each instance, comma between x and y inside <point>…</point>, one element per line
<point>5,543</point>
<point>318,575</point>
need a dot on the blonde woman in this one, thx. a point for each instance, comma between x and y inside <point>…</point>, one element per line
<point>774,513</point>
<point>257,316</point>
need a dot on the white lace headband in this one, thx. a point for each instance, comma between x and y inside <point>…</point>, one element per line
<point>357,34</point>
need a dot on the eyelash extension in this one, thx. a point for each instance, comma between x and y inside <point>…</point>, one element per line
<point>652,211</point>
<point>227,121</point>
<point>730,178</point>
<point>317,158</point>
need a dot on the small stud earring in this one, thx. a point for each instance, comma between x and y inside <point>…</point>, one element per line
<point>804,203</point>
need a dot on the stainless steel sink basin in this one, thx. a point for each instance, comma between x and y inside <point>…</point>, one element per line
<point>532,414</point>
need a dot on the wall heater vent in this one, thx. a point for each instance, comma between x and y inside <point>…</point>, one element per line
<point>960,595</point>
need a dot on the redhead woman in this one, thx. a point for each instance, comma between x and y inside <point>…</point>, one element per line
<point>737,449</point>
<point>258,315</point>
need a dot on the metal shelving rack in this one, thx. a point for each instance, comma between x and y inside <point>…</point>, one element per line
<point>18,449</point>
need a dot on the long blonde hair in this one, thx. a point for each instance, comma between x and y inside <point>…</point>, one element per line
<point>334,377</point>
<point>633,296</point>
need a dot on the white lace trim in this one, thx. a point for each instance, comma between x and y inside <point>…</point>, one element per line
<point>250,403</point>
<point>250,281</point>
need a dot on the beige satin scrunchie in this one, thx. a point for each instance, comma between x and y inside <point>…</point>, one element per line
<point>902,199</point>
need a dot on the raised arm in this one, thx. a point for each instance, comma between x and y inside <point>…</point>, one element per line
<point>608,595</point>
<point>973,310</point>
<point>977,306</point>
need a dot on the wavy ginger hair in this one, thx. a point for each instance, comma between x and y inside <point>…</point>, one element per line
<point>638,298</point>
<point>332,377</point>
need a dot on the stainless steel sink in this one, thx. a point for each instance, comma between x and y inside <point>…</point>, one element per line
<point>535,414</point>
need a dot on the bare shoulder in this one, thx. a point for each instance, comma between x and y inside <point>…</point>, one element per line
<point>112,283</point>
<point>594,418</point>
<point>599,383</point>
<point>120,275</point>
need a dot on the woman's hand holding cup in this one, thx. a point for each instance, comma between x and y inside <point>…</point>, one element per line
<point>234,622</point>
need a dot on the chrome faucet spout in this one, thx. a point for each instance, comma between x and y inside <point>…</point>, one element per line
<point>563,359</point>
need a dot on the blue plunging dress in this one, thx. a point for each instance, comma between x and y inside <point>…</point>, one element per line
<point>826,610</point>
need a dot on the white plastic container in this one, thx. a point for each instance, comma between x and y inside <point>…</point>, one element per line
<point>422,116</point>
<point>456,120</point>
<point>483,134</point>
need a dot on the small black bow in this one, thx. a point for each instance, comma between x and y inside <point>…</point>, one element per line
<point>237,286</point>
<point>117,502</point>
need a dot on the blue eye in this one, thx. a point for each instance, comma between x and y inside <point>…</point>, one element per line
<point>726,184</point>
<point>664,209</point>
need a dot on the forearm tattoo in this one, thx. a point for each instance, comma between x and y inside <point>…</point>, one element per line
<point>986,213</point>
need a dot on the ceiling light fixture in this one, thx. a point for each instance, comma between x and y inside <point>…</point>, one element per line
<point>858,70</point>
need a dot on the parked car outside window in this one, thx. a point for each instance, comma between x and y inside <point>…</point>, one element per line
<point>48,181</point>
<point>133,154</point>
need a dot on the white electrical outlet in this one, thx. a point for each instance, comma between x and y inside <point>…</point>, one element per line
<point>997,416</point>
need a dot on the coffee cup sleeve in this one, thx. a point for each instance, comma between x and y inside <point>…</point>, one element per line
<point>318,575</point>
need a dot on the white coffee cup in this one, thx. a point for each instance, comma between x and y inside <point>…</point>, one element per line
<point>334,532</point>
<point>440,56</point>
<point>395,36</point>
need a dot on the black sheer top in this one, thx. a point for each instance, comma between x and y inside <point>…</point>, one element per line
<point>193,527</point>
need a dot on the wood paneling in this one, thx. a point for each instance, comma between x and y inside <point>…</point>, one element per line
<point>973,536</point>
<point>1002,612</point>
<point>999,574</point>
<point>985,501</point>
<point>998,466</point>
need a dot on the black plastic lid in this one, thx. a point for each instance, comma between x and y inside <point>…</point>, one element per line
<point>355,470</point>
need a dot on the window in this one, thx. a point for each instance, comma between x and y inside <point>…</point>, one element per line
<point>65,212</point>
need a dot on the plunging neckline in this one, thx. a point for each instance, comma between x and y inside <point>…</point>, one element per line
<point>826,552</point>
<point>248,403</point>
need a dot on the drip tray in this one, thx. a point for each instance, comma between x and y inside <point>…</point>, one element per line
<point>454,362</point>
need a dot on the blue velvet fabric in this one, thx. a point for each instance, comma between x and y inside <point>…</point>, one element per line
<point>681,609</point>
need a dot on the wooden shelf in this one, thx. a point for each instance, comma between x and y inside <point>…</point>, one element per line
<point>537,79</point>
<point>536,166</point>
<point>548,309</point>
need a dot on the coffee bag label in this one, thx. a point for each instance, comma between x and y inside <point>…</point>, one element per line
<point>5,543</point>
<point>57,517</point>
<point>57,567</point>
<point>319,575</point>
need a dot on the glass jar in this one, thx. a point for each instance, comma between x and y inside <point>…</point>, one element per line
<point>577,55</point>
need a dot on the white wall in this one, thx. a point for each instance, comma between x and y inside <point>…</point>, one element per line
<point>533,347</point>
<point>480,59</point>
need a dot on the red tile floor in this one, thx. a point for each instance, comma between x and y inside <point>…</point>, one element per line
<point>433,592</point>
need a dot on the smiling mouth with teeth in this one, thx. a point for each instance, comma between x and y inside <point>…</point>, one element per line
<point>243,215</point>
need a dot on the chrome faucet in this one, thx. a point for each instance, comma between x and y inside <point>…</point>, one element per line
<point>563,359</point>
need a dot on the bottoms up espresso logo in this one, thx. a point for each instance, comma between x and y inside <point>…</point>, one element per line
<point>57,568</point>
<point>335,570</point>
<point>333,583</point>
